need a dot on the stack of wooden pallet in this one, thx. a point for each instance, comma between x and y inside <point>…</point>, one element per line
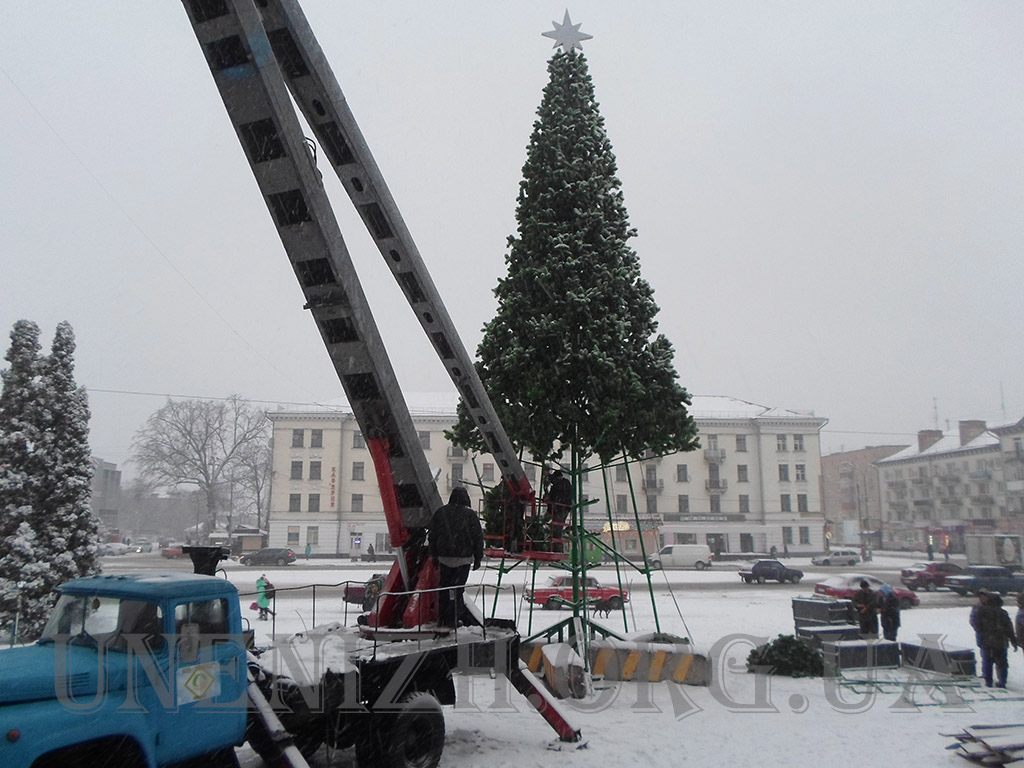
<point>990,744</point>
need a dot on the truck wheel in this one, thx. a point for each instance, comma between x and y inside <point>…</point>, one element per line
<point>929,586</point>
<point>760,579</point>
<point>700,565</point>
<point>414,738</point>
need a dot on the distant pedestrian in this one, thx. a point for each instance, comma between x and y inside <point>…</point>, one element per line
<point>370,553</point>
<point>785,549</point>
<point>865,605</point>
<point>889,612</point>
<point>995,631</point>
<point>263,595</point>
<point>456,542</point>
<point>773,552</point>
<point>309,550</point>
<point>931,551</point>
<point>982,599</point>
<point>945,552</point>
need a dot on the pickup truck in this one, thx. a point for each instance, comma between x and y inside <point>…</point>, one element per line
<point>770,570</point>
<point>558,592</point>
<point>994,578</point>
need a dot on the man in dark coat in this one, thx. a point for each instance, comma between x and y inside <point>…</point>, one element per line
<point>889,612</point>
<point>865,605</point>
<point>559,504</point>
<point>995,633</point>
<point>456,543</point>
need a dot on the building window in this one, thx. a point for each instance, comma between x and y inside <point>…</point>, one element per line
<point>293,535</point>
<point>684,505</point>
<point>456,474</point>
<point>313,534</point>
<point>630,545</point>
<point>716,505</point>
<point>296,470</point>
<point>712,442</point>
<point>314,470</point>
<point>787,535</point>
<point>298,438</point>
<point>458,452</point>
<point>801,502</point>
<point>424,440</point>
<point>314,502</point>
<point>780,443</point>
<point>741,473</point>
<point>357,502</point>
<point>785,502</point>
<point>783,473</point>
<point>652,505</point>
<point>487,473</point>
<point>531,473</point>
<point>744,504</point>
<point>741,443</point>
<point>621,474</point>
<point>685,538</point>
<point>798,442</point>
<point>801,473</point>
<point>316,438</point>
<point>621,503</point>
<point>358,470</point>
<point>357,440</point>
<point>805,534</point>
<point>294,502</point>
<point>682,473</point>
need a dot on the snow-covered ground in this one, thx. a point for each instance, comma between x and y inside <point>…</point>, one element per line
<point>740,720</point>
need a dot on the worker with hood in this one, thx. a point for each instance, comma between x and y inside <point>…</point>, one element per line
<point>456,543</point>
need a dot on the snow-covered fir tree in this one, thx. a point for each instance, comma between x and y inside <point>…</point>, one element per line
<point>572,357</point>
<point>69,531</point>
<point>45,473</point>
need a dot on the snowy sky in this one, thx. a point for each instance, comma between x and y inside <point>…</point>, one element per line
<point>828,196</point>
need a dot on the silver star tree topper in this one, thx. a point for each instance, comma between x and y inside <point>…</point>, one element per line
<point>567,35</point>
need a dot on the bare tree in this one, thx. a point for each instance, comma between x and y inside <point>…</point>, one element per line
<point>199,443</point>
<point>253,475</point>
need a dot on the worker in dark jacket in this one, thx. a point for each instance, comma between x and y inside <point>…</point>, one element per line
<point>889,612</point>
<point>865,605</point>
<point>995,633</point>
<point>559,503</point>
<point>456,543</point>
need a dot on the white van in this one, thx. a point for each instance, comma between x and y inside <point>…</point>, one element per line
<point>683,556</point>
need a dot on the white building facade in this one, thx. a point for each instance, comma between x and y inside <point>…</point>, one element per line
<point>753,485</point>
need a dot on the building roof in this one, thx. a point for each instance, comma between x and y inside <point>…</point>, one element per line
<point>949,443</point>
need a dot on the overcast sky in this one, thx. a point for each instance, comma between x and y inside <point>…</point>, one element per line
<point>829,196</point>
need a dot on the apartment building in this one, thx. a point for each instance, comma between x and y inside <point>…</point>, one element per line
<point>953,483</point>
<point>753,484</point>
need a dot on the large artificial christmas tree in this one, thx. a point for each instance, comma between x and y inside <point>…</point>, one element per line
<point>572,357</point>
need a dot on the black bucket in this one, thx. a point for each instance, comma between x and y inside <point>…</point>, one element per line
<point>206,559</point>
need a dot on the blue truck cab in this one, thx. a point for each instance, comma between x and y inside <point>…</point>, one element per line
<point>140,669</point>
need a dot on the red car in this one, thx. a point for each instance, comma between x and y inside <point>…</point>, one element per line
<point>928,576</point>
<point>558,591</point>
<point>846,584</point>
<point>172,551</point>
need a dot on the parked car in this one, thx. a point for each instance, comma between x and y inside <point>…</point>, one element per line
<point>837,557</point>
<point>173,551</point>
<point>994,578</point>
<point>142,545</point>
<point>683,556</point>
<point>113,548</point>
<point>559,590</point>
<point>928,576</point>
<point>845,585</point>
<point>364,595</point>
<point>770,570</point>
<point>268,556</point>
